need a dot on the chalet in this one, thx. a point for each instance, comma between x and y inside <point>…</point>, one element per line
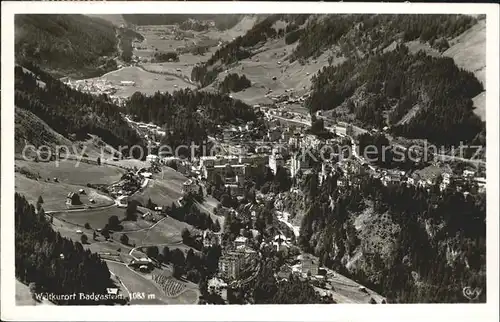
<point>143,264</point>
<point>73,199</point>
<point>240,241</point>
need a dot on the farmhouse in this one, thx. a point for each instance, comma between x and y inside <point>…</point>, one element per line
<point>73,199</point>
<point>127,83</point>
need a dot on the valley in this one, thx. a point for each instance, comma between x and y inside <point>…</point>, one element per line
<point>273,198</point>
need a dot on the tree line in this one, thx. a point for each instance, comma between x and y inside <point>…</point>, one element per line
<point>71,112</point>
<point>51,263</point>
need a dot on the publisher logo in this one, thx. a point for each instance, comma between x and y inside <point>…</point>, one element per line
<point>471,293</point>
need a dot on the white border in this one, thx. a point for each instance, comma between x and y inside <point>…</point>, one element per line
<point>401,312</point>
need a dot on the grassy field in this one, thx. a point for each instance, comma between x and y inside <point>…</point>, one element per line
<point>163,189</point>
<point>167,232</point>
<point>54,194</point>
<point>261,68</point>
<point>129,163</point>
<point>145,82</point>
<point>468,51</point>
<point>96,218</point>
<point>72,172</point>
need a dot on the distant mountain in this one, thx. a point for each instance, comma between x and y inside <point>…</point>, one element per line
<point>221,21</point>
<point>116,20</point>
<point>74,45</point>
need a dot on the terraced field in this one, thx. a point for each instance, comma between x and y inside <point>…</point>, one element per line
<point>170,286</point>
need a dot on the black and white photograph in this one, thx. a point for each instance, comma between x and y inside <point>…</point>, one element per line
<point>246,158</point>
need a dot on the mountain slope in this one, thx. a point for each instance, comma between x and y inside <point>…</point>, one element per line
<point>30,129</point>
<point>58,111</point>
<point>64,44</point>
<point>468,51</point>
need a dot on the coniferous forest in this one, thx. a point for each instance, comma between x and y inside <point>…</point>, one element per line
<point>51,263</point>
<point>439,245</point>
<point>69,111</point>
<point>189,116</point>
<point>75,45</point>
<point>396,82</point>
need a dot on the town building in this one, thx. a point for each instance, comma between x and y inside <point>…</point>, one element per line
<point>299,162</point>
<point>240,241</point>
<point>230,265</point>
<point>276,160</point>
<point>189,187</point>
<point>211,239</point>
<point>248,255</point>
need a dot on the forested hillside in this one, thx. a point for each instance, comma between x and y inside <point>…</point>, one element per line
<point>381,89</point>
<point>243,47</point>
<point>65,45</point>
<point>411,245</point>
<point>51,263</point>
<point>189,116</point>
<point>355,35</point>
<point>69,112</point>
